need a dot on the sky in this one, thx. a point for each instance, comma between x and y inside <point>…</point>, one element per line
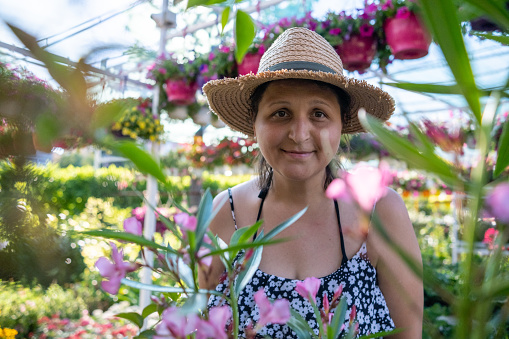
<point>53,20</point>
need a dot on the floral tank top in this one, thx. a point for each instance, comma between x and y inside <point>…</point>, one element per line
<point>356,275</point>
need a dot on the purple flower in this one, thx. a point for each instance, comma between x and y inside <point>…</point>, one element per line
<point>366,30</point>
<point>308,288</point>
<point>371,9</point>
<point>498,202</point>
<point>162,70</point>
<point>403,13</point>
<point>133,225</point>
<point>215,326</point>
<point>335,31</point>
<point>388,4</point>
<point>175,325</point>
<point>114,271</point>
<point>276,313</point>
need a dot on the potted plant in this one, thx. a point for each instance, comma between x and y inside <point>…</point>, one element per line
<point>137,121</point>
<point>353,36</point>
<point>406,35</point>
<point>177,78</point>
<point>272,31</point>
<point>217,64</point>
<point>252,59</point>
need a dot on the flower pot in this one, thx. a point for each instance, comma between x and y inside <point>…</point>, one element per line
<point>202,117</point>
<point>249,64</point>
<point>181,92</point>
<point>179,113</point>
<point>407,37</point>
<point>357,53</point>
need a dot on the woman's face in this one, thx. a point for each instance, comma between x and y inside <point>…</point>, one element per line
<point>298,128</point>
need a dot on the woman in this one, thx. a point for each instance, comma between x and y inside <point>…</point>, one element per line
<point>297,107</point>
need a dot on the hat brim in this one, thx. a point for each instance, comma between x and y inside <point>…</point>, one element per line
<point>229,97</point>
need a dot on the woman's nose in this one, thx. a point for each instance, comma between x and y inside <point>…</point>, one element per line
<point>299,130</point>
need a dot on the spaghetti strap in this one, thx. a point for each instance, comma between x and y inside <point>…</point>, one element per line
<point>343,252</point>
<point>231,206</point>
<point>262,195</point>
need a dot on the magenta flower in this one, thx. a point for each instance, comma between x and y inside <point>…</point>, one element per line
<point>403,13</point>
<point>114,271</point>
<point>276,313</point>
<point>371,9</point>
<point>366,30</point>
<point>176,325</point>
<point>133,225</point>
<point>162,70</point>
<point>364,185</point>
<point>215,326</point>
<point>308,288</point>
<point>498,202</point>
<point>185,221</point>
<point>388,4</point>
<point>489,237</point>
<point>335,31</point>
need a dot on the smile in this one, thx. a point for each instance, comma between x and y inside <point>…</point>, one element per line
<point>298,154</point>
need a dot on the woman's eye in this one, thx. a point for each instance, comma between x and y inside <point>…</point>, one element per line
<point>319,114</point>
<point>280,114</point>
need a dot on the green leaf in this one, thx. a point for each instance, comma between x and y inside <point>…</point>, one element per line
<point>204,216</point>
<point>284,225</point>
<point>406,151</point>
<point>143,160</point>
<point>245,31</point>
<point>166,289</point>
<point>245,233</point>
<point>196,3</point>
<point>247,273</point>
<point>224,18</point>
<point>148,334</point>
<point>136,239</point>
<point>382,334</point>
<point>236,248</point>
<point>503,151</point>
<point>133,317</point>
<point>338,318</point>
<point>105,115</point>
<point>194,303</point>
<point>149,310</point>
<point>503,39</point>
<point>496,9</point>
<point>47,128</point>
<point>184,271</point>
<point>442,19</point>
<point>300,326</point>
<point>430,88</point>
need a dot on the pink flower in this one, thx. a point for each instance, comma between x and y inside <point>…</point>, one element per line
<point>388,4</point>
<point>133,225</point>
<point>366,30</point>
<point>276,313</point>
<point>371,8</point>
<point>308,288</point>
<point>402,13</point>
<point>185,221</point>
<point>498,202</point>
<point>114,271</point>
<point>364,184</point>
<point>489,237</point>
<point>176,325</point>
<point>335,31</point>
<point>215,326</point>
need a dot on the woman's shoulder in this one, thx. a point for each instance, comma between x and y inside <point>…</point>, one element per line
<point>241,198</point>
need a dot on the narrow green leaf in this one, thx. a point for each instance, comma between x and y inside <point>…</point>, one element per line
<point>406,151</point>
<point>284,225</point>
<point>194,304</point>
<point>236,248</point>
<point>196,3</point>
<point>442,19</point>
<point>224,17</point>
<point>143,161</point>
<point>503,39</point>
<point>339,317</point>
<point>496,9</point>
<point>184,271</point>
<point>245,233</point>
<point>149,310</point>
<point>136,239</point>
<point>425,144</point>
<point>382,334</point>
<point>148,334</point>
<point>133,317</point>
<point>249,270</point>
<point>105,115</point>
<point>245,31</point>
<point>503,151</point>
<point>166,289</point>
<point>298,324</point>
<point>204,216</point>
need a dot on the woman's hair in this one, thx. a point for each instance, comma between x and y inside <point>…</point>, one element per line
<point>264,170</point>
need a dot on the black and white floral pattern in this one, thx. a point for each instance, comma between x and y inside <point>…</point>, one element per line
<point>360,287</point>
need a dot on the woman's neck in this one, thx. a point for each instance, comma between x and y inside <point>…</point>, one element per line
<point>298,192</point>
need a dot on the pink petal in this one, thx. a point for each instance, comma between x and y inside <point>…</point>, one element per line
<point>133,226</point>
<point>185,221</point>
<point>111,286</point>
<point>498,202</point>
<point>262,301</point>
<point>280,313</point>
<point>337,190</point>
<point>308,288</point>
<point>105,267</point>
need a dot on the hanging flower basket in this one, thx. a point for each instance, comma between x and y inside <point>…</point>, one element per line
<point>407,37</point>
<point>179,113</point>
<point>357,53</point>
<point>181,91</point>
<point>249,64</point>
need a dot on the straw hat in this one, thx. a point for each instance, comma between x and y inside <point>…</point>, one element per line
<point>298,53</point>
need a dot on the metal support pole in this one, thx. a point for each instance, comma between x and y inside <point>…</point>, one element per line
<point>152,189</point>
